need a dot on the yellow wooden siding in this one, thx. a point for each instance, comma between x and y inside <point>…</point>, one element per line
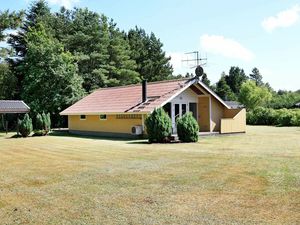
<point>234,124</point>
<point>216,114</point>
<point>203,113</point>
<point>110,125</point>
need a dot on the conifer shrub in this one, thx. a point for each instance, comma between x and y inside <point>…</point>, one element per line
<point>187,128</point>
<point>25,126</point>
<point>42,124</point>
<point>39,126</point>
<point>159,126</point>
<point>39,123</point>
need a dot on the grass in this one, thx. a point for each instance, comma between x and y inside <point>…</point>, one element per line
<point>251,178</point>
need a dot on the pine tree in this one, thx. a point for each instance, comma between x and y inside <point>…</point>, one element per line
<point>9,20</point>
<point>256,76</point>
<point>146,50</point>
<point>223,89</point>
<point>205,80</point>
<point>38,11</point>
<point>235,79</point>
<point>121,66</point>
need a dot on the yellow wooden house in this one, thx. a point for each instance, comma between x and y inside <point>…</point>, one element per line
<point>121,111</point>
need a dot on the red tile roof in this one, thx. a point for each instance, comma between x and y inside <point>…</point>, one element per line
<point>126,98</point>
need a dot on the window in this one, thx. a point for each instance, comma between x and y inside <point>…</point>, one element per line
<point>176,111</point>
<point>193,109</point>
<point>102,117</point>
<point>82,117</point>
<point>183,109</point>
<point>167,108</point>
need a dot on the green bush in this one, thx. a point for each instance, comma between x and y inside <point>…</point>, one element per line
<point>187,128</point>
<point>25,126</point>
<point>159,126</point>
<point>285,117</point>
<point>296,119</point>
<point>42,124</point>
<point>46,122</point>
<point>268,116</point>
<point>39,123</point>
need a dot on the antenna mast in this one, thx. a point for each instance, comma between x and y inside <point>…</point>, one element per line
<point>197,59</point>
<point>199,70</point>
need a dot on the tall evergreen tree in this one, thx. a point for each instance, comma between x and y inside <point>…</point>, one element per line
<point>38,12</point>
<point>51,82</point>
<point>235,79</point>
<point>9,20</point>
<point>146,50</point>
<point>121,66</point>
<point>256,77</point>
<point>223,89</point>
<point>205,80</point>
<point>87,37</point>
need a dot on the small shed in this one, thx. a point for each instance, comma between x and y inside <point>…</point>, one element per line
<point>297,105</point>
<point>12,107</point>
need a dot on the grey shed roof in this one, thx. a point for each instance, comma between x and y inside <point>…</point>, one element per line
<point>297,104</point>
<point>234,104</point>
<point>13,106</point>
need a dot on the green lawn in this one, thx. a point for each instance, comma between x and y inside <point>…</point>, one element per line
<point>251,178</point>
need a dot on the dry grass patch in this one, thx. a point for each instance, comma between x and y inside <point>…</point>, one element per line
<point>251,178</point>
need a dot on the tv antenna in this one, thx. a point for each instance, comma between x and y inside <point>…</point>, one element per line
<point>198,62</point>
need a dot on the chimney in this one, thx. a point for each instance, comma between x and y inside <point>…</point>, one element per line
<point>144,91</point>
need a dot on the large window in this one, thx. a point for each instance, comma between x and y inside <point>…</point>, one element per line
<point>82,117</point>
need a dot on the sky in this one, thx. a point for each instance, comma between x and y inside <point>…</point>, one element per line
<point>254,33</point>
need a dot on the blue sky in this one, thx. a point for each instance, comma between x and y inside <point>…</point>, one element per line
<point>256,33</point>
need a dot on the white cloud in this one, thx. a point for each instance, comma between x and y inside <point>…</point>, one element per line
<point>176,59</point>
<point>284,18</point>
<point>226,47</point>
<point>66,3</point>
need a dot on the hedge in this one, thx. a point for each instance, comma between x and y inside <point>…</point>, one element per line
<point>278,117</point>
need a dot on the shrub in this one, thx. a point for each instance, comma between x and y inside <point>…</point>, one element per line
<point>187,128</point>
<point>268,116</point>
<point>46,122</point>
<point>285,117</point>
<point>39,123</point>
<point>43,124</point>
<point>25,126</point>
<point>296,119</point>
<point>159,126</point>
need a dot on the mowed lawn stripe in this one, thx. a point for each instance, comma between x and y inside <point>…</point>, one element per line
<point>248,178</point>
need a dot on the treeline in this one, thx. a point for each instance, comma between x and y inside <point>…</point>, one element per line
<point>56,58</point>
<point>264,105</point>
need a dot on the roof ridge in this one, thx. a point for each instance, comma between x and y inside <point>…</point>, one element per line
<point>139,84</point>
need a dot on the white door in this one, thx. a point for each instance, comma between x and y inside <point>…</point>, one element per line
<point>178,109</point>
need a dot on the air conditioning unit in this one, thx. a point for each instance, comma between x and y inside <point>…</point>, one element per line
<point>137,130</point>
